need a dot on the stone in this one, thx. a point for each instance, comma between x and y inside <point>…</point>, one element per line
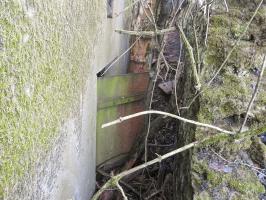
<point>166,87</point>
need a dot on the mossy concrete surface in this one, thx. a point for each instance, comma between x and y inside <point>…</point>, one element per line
<point>225,101</point>
<point>46,52</point>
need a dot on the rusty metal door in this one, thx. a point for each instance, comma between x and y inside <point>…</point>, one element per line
<point>118,96</point>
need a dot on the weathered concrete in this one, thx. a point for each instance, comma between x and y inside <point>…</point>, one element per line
<point>50,52</point>
<point>112,45</point>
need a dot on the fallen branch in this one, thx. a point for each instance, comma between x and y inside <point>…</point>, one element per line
<point>121,119</point>
<point>145,33</point>
<point>115,179</point>
<point>255,93</point>
<point>103,173</point>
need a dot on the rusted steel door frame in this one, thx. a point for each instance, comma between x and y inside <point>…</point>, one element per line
<point>119,96</point>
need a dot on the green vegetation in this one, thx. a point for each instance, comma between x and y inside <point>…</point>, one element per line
<point>243,181</point>
<point>227,98</point>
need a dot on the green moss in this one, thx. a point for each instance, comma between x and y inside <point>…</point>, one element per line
<point>43,62</point>
<point>246,187</point>
<point>228,96</point>
<point>223,100</point>
<point>220,21</point>
<point>237,30</point>
<point>244,182</point>
<point>214,178</point>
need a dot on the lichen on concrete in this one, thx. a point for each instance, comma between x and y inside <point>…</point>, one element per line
<point>44,60</point>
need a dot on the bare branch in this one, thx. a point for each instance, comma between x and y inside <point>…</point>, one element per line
<point>125,52</point>
<point>255,93</point>
<point>254,168</point>
<point>121,119</point>
<point>153,21</point>
<point>226,6</point>
<point>197,45</point>
<point>208,7</point>
<point>146,33</point>
<point>192,58</point>
<point>177,67</point>
<point>121,190</point>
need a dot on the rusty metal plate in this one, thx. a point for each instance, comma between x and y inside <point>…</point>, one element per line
<point>119,96</point>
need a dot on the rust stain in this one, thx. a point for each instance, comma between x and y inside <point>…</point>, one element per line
<point>139,52</point>
<point>139,84</point>
<point>129,130</point>
<point>119,96</point>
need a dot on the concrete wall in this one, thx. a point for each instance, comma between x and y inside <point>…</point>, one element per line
<point>50,52</point>
<point>112,45</point>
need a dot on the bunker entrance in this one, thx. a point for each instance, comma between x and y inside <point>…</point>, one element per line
<point>118,96</point>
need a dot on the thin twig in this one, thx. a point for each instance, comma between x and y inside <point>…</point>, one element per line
<point>226,6</point>
<point>127,8</point>
<point>154,84</point>
<point>256,169</point>
<point>150,104</point>
<point>254,93</point>
<point>197,46</point>
<point>167,64</point>
<point>121,190</point>
<point>147,14</point>
<point>176,12</point>
<point>103,173</point>
<point>153,194</point>
<point>153,18</point>
<point>177,67</point>
<point>125,52</point>
<point>146,33</point>
<point>121,119</point>
<point>158,62</point>
<point>208,23</point>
